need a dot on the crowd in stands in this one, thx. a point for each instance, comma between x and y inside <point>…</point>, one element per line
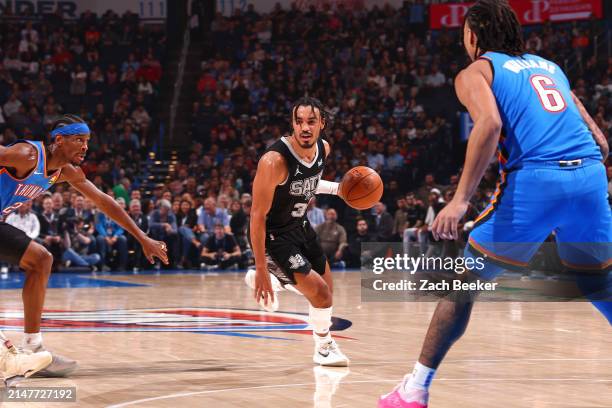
<point>385,78</point>
<point>388,83</point>
<point>106,69</point>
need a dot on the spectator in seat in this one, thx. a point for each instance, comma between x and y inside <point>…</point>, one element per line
<point>383,222</point>
<point>209,217</point>
<point>315,215</point>
<point>25,220</point>
<point>123,189</point>
<point>413,230</point>
<point>221,249</point>
<point>399,219</point>
<point>238,223</point>
<point>430,182</point>
<point>141,220</point>
<point>110,236</point>
<point>78,242</point>
<point>49,235</point>
<point>434,248</point>
<point>78,210</point>
<point>332,237</point>
<point>353,253</point>
<point>187,222</point>
<point>162,223</point>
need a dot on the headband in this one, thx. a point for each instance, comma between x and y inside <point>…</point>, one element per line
<point>71,130</point>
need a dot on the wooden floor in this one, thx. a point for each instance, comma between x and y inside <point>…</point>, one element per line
<point>515,355</point>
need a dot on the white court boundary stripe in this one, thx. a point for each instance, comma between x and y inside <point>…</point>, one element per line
<point>259,387</point>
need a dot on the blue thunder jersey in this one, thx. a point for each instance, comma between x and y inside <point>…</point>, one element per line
<point>14,192</point>
<point>541,122</point>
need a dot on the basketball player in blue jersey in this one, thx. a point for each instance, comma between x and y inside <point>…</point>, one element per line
<point>27,169</point>
<point>552,179</point>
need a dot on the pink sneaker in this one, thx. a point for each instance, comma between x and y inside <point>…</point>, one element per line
<point>398,398</point>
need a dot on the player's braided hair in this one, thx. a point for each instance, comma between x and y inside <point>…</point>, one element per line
<point>67,119</point>
<point>64,120</point>
<point>497,27</point>
<point>313,103</point>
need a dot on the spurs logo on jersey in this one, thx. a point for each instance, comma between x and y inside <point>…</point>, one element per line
<point>292,196</point>
<point>296,261</point>
<point>305,187</point>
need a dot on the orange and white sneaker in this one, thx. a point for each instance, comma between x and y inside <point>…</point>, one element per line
<point>400,398</point>
<point>18,364</point>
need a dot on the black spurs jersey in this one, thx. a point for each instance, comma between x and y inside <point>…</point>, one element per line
<point>291,198</point>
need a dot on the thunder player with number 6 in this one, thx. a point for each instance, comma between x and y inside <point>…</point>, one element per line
<point>551,179</point>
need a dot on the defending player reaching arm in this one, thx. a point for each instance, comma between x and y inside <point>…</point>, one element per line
<point>27,169</point>
<point>474,92</point>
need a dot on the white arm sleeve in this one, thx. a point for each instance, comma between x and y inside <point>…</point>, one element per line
<point>327,187</point>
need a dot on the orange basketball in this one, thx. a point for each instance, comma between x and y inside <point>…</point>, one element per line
<point>361,187</point>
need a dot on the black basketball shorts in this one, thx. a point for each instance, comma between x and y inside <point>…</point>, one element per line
<point>13,243</point>
<point>295,251</point>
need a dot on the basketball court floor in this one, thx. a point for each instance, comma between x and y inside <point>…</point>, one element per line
<point>198,340</point>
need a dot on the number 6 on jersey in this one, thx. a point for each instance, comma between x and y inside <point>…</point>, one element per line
<point>550,97</point>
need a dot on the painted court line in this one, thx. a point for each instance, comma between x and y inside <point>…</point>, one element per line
<point>190,394</point>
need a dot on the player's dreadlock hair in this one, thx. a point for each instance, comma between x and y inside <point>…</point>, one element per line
<point>496,26</point>
<point>313,103</point>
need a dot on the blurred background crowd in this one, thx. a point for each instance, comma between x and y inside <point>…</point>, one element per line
<point>385,77</point>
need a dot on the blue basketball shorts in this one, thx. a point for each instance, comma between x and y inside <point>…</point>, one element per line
<point>536,200</point>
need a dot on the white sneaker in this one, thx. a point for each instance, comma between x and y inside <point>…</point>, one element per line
<point>271,306</point>
<point>328,354</point>
<point>17,364</point>
<point>60,366</point>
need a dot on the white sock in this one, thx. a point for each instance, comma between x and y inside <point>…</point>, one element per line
<point>420,378</point>
<point>322,339</point>
<point>31,341</point>
<point>320,320</point>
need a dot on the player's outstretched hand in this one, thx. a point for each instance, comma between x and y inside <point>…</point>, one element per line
<point>155,249</point>
<point>263,286</point>
<point>445,224</point>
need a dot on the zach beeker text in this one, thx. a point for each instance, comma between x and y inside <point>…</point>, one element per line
<point>425,285</point>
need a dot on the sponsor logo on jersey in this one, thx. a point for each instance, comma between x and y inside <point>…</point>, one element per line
<point>297,171</point>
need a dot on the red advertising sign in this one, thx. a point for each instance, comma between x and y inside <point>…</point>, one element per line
<point>528,11</point>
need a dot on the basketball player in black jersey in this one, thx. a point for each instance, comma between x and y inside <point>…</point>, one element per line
<point>285,246</point>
